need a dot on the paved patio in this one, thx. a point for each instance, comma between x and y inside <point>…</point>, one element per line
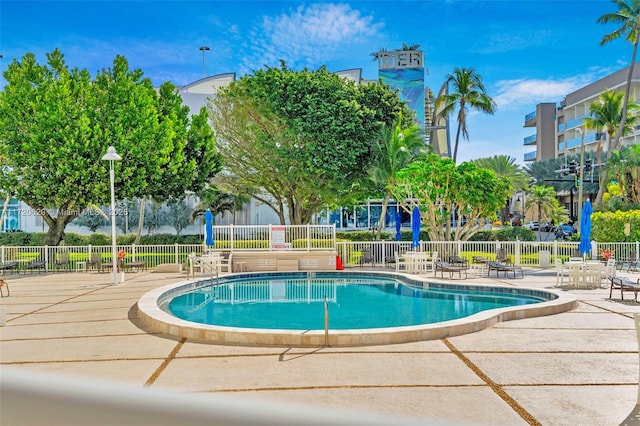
<point>574,368</point>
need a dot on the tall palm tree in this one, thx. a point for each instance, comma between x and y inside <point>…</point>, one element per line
<point>606,115</point>
<point>544,199</point>
<point>468,92</point>
<point>628,17</point>
<point>393,150</point>
<point>504,165</point>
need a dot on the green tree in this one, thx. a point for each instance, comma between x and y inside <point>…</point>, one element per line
<point>91,219</point>
<point>467,93</point>
<point>57,123</point>
<point>628,17</point>
<point>606,116</point>
<point>299,141</point>
<point>439,187</point>
<point>393,150</point>
<point>505,166</point>
<point>543,200</point>
<point>178,216</point>
<point>624,168</point>
<point>218,202</point>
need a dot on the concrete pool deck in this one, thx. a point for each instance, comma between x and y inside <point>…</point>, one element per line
<point>576,367</point>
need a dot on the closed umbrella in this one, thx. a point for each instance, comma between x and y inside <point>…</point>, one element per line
<point>415,228</point>
<point>585,229</point>
<point>208,228</point>
<point>398,225</point>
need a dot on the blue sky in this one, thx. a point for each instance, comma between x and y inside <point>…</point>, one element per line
<point>526,51</point>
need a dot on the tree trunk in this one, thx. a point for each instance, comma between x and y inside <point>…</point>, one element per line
<point>383,212</point>
<point>140,221</point>
<point>4,210</point>
<point>455,149</point>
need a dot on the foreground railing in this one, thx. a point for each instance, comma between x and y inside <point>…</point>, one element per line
<point>352,253</point>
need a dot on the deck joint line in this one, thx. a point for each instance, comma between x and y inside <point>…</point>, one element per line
<point>165,363</point>
<point>522,412</point>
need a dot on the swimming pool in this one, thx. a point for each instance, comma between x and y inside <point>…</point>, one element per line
<point>355,302</point>
<point>287,309</point>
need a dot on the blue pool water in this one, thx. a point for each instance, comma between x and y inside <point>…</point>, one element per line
<point>355,302</point>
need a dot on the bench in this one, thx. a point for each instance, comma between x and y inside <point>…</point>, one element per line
<point>141,265</point>
<point>624,284</point>
<point>501,267</point>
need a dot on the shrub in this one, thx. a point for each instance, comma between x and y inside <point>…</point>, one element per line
<point>512,233</point>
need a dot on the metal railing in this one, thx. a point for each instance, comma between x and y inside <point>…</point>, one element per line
<point>352,253</point>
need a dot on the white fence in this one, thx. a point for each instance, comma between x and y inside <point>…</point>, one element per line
<point>352,253</point>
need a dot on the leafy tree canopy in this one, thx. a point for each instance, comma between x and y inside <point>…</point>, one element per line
<point>438,187</point>
<point>57,124</point>
<point>299,140</point>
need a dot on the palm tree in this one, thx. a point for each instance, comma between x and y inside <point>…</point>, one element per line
<point>544,198</point>
<point>218,202</point>
<point>468,92</point>
<point>628,17</point>
<point>606,115</point>
<point>376,55</point>
<point>393,150</point>
<point>504,165</point>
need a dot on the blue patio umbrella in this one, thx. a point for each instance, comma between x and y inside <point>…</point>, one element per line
<point>585,229</point>
<point>398,225</point>
<point>415,228</point>
<point>208,228</point>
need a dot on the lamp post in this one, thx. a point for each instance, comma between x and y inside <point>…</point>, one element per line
<point>112,156</point>
<point>203,49</point>
<point>579,177</point>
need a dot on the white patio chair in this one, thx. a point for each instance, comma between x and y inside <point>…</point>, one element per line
<point>401,263</point>
<point>561,272</point>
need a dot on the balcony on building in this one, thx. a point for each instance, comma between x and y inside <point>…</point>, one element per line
<point>531,140</point>
<point>530,119</point>
<point>530,156</point>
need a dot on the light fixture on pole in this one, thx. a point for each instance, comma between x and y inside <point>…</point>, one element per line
<point>579,176</point>
<point>203,49</point>
<point>112,156</point>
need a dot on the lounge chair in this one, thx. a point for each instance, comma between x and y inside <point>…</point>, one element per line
<point>502,256</point>
<point>35,265</point>
<point>62,262</point>
<point>367,257</point>
<point>503,267</point>
<point>95,261</point>
<point>451,269</point>
<point>480,259</point>
<point>458,261</point>
<point>624,284</point>
<point>7,266</point>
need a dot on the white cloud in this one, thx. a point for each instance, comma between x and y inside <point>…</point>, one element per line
<point>308,36</point>
<point>512,94</point>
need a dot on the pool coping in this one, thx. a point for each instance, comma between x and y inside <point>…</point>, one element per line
<point>159,321</point>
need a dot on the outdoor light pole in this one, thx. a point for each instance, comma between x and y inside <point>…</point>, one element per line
<point>203,49</point>
<point>579,176</point>
<point>112,156</point>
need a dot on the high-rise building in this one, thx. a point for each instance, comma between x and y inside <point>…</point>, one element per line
<point>558,127</point>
